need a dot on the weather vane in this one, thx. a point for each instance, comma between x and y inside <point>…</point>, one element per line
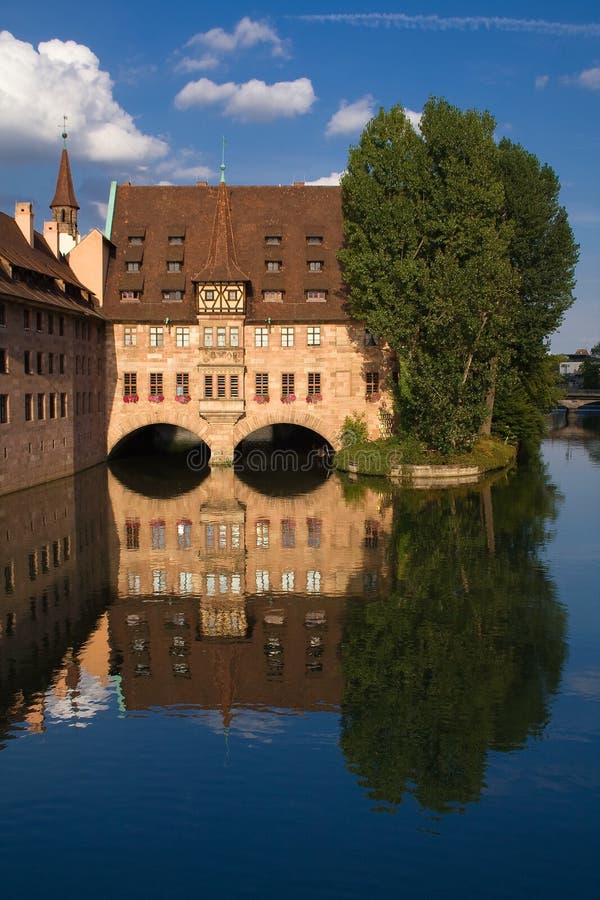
<point>64,131</point>
<point>223,160</point>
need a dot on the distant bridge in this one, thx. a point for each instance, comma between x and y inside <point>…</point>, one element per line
<point>575,398</point>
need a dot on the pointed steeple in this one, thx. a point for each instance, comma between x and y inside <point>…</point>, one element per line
<point>64,205</point>
<point>222,265</point>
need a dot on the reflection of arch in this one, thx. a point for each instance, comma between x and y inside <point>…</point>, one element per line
<point>246,426</point>
<point>135,423</point>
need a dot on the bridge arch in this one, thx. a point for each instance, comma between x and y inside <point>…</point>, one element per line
<point>285,416</point>
<point>124,430</point>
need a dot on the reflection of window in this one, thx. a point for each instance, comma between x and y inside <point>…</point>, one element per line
<point>159,581</point>
<point>210,537</point>
<point>186,582</point>
<point>287,581</point>
<point>211,584</point>
<point>158,534</point>
<point>371,533</point>
<point>132,534</point>
<point>222,537</point>
<point>314,532</point>
<point>235,537</point>
<point>262,580</point>
<point>262,533</point>
<point>288,533</point>
<point>313,582</point>
<point>134,583</point>
<point>236,584</point>
<point>370,581</point>
<point>223,584</point>
<point>184,534</point>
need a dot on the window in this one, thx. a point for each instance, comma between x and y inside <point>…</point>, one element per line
<point>313,239</point>
<point>209,295</point>
<point>51,364</point>
<point>261,337</point>
<point>26,320</point>
<point>208,387</point>
<point>130,384</point>
<point>3,315</point>
<point>157,336</point>
<point>182,336</point>
<point>315,265</point>
<point>40,406</point>
<point>272,296</point>
<point>273,265</point>
<point>369,339</point>
<point>287,337</point>
<point>314,384</point>
<point>63,406</point>
<point>234,337</point>
<point>28,407</point>
<point>287,384</point>
<point>132,266</point>
<point>313,335</point>
<point>174,265</point>
<point>220,386</point>
<point>52,405</point>
<point>3,361</point>
<point>156,384</point>
<point>234,386</point>
<point>273,239</point>
<point>61,326</point>
<point>316,296</point>
<point>208,337</point>
<point>130,336</point>
<point>221,337</point>
<point>372,379</point>
<point>175,239</point>
<point>232,295</point>
<point>182,384</point>
<point>262,384</point>
<point>61,363</point>
<point>314,532</point>
<point>131,295</point>
<point>40,363</point>
<point>50,323</point>
<point>172,295</point>
<point>4,409</point>
<point>38,321</point>
<point>27,362</point>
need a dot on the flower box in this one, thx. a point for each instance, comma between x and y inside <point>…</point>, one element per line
<point>130,398</point>
<point>314,398</point>
<point>183,398</point>
<point>156,398</point>
<point>261,398</point>
<point>288,398</point>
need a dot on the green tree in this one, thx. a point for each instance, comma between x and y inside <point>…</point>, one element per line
<point>435,245</point>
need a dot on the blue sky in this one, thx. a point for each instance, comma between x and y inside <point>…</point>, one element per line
<point>150,89</point>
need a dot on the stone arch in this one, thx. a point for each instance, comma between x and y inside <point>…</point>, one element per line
<point>136,422</point>
<point>285,416</point>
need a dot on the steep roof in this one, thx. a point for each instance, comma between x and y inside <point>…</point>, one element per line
<point>233,232</point>
<point>64,195</point>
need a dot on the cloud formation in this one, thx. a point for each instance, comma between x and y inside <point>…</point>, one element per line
<point>327,180</point>
<point>458,23</point>
<point>590,79</point>
<point>351,118</point>
<point>541,82</point>
<point>217,43</point>
<point>61,78</point>
<point>252,101</point>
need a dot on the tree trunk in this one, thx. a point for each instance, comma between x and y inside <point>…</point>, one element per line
<point>486,425</point>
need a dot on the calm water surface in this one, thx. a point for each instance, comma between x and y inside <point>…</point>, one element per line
<point>302,687</point>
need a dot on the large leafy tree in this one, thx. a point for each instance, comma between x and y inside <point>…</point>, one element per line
<point>432,263</point>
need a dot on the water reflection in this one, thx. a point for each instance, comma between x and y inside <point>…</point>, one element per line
<point>427,618</point>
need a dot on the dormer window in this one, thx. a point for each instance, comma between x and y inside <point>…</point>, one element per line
<point>315,265</point>
<point>175,239</point>
<point>174,266</point>
<point>132,266</point>
<point>315,296</point>
<point>274,265</point>
<point>314,239</point>
<point>273,239</point>
<point>135,239</point>
<point>272,296</point>
<point>131,295</point>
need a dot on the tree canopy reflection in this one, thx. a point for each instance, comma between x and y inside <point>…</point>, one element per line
<point>464,655</point>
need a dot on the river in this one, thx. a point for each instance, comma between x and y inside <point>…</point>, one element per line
<point>302,685</point>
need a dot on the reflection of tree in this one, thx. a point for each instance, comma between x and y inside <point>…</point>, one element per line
<point>464,655</point>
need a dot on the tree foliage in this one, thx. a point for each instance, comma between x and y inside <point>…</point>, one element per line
<point>443,262</point>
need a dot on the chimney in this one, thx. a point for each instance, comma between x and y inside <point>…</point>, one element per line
<point>24,219</point>
<point>51,237</point>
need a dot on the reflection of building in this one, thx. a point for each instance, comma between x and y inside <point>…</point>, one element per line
<point>226,592</point>
<point>56,579</point>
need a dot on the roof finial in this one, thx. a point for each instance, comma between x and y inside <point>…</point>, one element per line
<point>64,131</point>
<point>223,162</point>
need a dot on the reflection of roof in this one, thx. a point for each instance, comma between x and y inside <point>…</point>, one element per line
<point>302,223</point>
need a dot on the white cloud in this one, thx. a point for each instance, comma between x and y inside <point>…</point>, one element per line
<point>183,168</point>
<point>541,82</point>
<point>251,101</point>
<point>38,87</point>
<point>327,180</point>
<point>414,118</point>
<point>351,118</point>
<point>216,43</point>
<point>590,78</point>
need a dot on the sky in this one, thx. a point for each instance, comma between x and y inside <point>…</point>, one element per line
<point>150,91</point>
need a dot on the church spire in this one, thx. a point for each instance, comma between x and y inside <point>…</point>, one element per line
<point>64,204</point>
